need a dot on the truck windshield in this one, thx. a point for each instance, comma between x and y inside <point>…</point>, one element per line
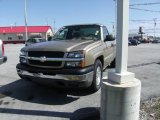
<point>80,32</point>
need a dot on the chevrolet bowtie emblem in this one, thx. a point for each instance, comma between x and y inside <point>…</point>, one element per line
<point>43,59</point>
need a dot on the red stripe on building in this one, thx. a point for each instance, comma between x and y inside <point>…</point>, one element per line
<point>21,29</point>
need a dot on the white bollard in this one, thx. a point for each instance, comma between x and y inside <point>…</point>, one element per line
<point>120,101</point>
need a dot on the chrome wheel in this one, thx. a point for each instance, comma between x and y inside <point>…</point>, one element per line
<point>98,75</point>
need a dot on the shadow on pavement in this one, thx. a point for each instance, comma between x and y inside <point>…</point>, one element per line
<point>35,93</point>
<point>81,114</point>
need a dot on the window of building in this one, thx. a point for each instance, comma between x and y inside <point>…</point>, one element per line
<point>20,36</point>
<point>9,38</point>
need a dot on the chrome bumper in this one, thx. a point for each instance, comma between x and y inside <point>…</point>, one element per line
<point>84,77</point>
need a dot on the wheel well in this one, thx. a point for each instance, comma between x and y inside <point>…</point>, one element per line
<point>101,58</point>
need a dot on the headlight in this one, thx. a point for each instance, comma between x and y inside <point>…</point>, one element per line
<point>74,55</point>
<point>22,56</point>
<point>23,60</point>
<point>23,53</point>
<point>78,54</point>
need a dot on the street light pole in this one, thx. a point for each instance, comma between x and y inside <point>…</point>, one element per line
<point>155,20</point>
<point>113,29</point>
<point>54,26</point>
<point>25,16</point>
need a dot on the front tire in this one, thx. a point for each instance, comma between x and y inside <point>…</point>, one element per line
<point>97,76</point>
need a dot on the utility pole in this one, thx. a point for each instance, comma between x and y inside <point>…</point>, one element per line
<point>155,23</point>
<point>54,25</point>
<point>25,15</point>
<point>120,93</point>
<point>141,32</point>
<point>113,29</point>
<point>47,21</point>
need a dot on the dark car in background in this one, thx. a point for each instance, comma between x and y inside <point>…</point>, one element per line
<point>133,42</point>
<point>34,40</point>
<point>129,43</point>
<point>156,41</point>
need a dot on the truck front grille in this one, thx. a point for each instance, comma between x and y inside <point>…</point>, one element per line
<point>47,54</point>
<point>47,63</point>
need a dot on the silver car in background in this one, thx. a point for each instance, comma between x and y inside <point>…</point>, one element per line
<point>3,58</point>
<point>34,40</point>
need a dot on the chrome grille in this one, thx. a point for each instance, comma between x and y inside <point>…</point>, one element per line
<point>48,63</point>
<point>47,54</point>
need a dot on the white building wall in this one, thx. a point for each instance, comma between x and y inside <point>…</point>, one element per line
<point>10,36</point>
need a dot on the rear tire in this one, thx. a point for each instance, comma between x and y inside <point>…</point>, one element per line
<point>97,76</point>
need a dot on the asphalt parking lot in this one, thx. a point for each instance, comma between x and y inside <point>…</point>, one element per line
<point>23,100</point>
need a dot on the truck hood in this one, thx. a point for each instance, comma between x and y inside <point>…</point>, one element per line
<point>61,45</point>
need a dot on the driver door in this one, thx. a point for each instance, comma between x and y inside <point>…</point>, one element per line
<point>108,49</point>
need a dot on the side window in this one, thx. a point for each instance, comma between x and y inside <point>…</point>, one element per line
<point>28,40</point>
<point>32,40</point>
<point>62,34</point>
<point>105,32</point>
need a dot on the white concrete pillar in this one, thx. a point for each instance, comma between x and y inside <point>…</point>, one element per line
<point>120,96</point>
<point>121,75</point>
<point>122,36</point>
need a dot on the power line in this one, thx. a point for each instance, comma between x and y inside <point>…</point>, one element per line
<point>151,32</point>
<point>155,3</point>
<point>146,30</point>
<point>143,20</point>
<point>151,22</point>
<point>146,10</point>
<point>147,21</point>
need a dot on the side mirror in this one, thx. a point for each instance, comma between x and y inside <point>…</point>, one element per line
<point>109,38</point>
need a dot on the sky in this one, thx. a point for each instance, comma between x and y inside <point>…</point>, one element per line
<point>66,12</point>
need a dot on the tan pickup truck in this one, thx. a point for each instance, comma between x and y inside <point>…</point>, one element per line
<point>75,57</point>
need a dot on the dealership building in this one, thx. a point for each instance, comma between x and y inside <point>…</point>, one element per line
<point>17,34</point>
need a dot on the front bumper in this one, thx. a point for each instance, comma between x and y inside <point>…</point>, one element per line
<point>63,78</point>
